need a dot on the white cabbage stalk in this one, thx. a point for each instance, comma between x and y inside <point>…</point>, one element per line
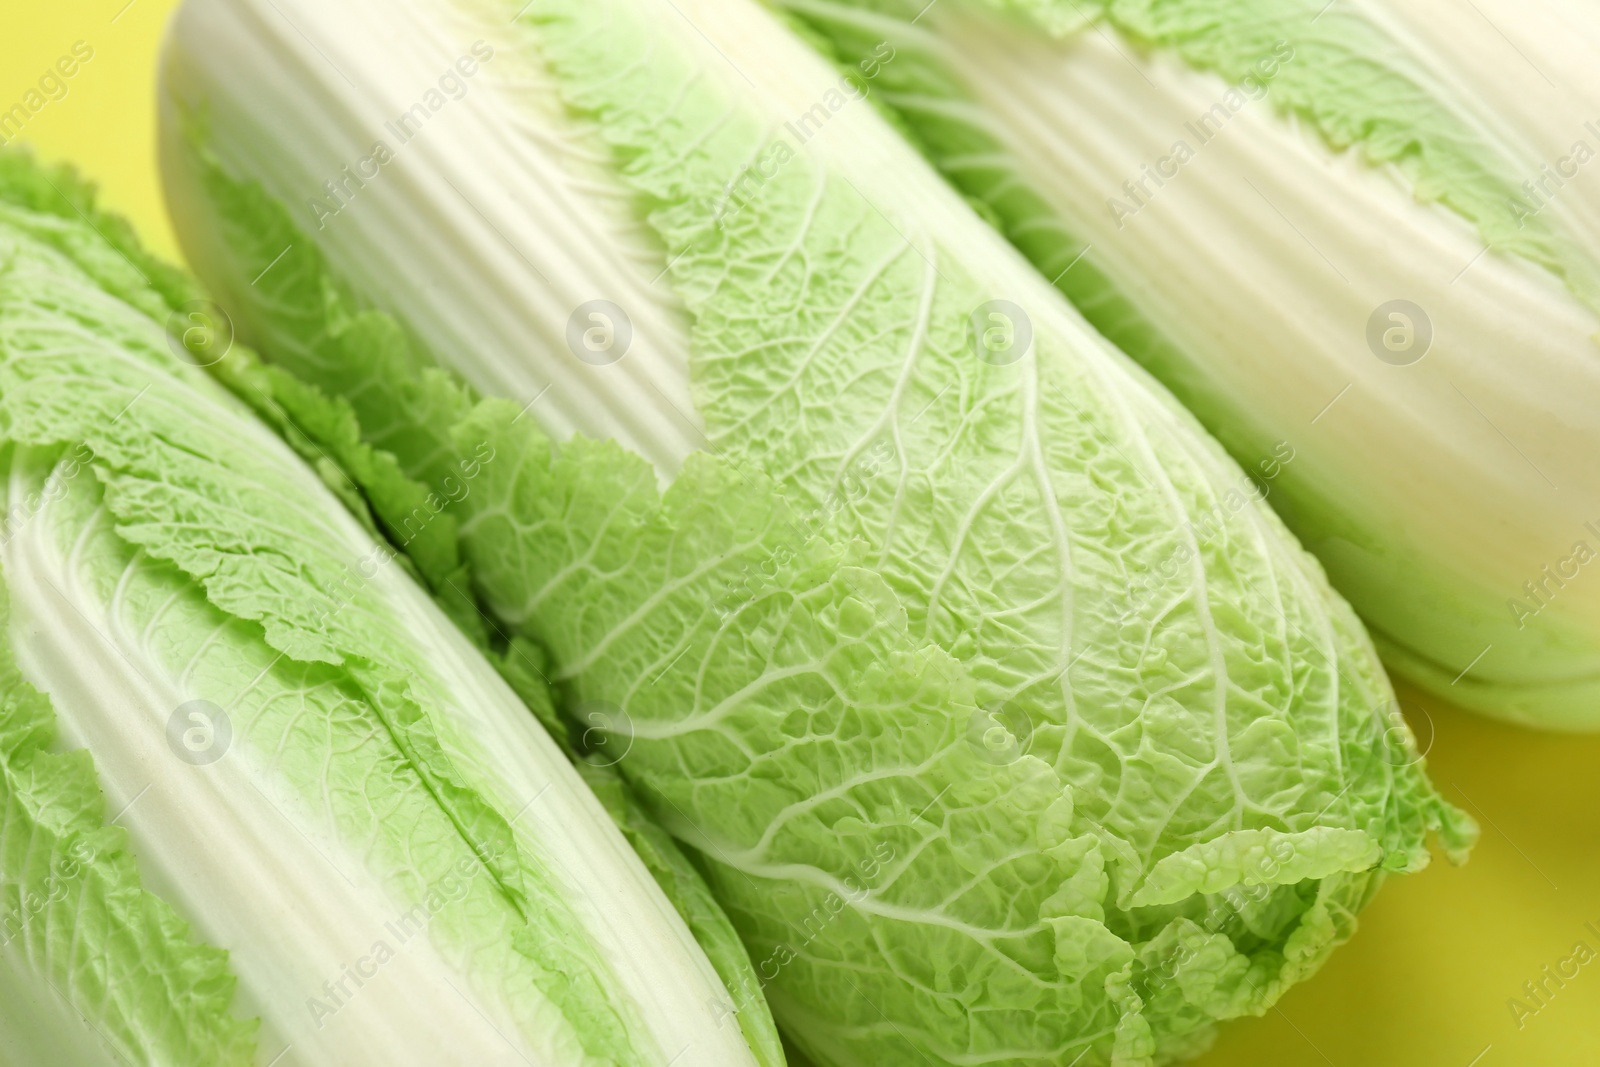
<point>520,221</point>
<point>1237,192</point>
<point>248,769</point>
<point>1008,724</point>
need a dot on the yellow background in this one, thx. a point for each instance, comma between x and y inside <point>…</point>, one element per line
<point>1426,981</point>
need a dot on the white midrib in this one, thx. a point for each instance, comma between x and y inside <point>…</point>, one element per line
<point>185,825</point>
<point>504,284</point>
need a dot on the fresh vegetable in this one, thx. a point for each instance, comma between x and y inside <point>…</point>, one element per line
<point>1364,235</point>
<point>1004,720</point>
<point>262,802</point>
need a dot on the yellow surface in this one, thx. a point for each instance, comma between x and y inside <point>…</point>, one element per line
<point>105,122</point>
<point>1426,982</point>
<point>1427,979</point>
